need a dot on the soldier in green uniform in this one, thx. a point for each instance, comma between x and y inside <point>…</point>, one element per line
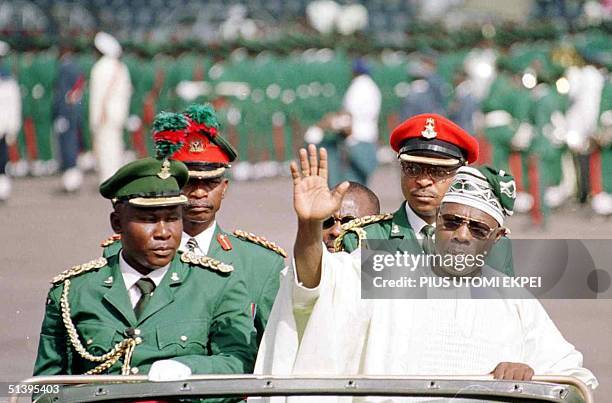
<point>549,106</point>
<point>509,128</point>
<point>147,309</point>
<point>430,149</point>
<point>43,71</point>
<point>602,202</point>
<point>208,157</point>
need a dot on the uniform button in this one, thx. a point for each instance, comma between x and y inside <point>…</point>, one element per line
<point>138,340</point>
<point>89,341</point>
<point>134,370</point>
<point>136,332</point>
<point>184,338</point>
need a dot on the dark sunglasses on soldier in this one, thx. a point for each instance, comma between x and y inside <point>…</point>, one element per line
<point>328,223</point>
<point>478,229</point>
<point>415,170</point>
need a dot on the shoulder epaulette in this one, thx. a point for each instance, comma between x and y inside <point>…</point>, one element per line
<point>76,270</point>
<point>110,240</point>
<point>206,261</point>
<point>356,225</point>
<point>261,241</point>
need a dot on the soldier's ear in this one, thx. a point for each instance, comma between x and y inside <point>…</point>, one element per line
<point>115,219</point>
<point>225,185</point>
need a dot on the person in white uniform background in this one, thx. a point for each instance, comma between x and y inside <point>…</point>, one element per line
<point>109,102</point>
<point>10,119</point>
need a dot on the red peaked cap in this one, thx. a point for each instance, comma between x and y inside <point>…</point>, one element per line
<point>204,145</point>
<point>199,148</point>
<point>434,135</point>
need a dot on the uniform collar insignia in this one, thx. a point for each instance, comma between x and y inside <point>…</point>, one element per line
<point>224,242</point>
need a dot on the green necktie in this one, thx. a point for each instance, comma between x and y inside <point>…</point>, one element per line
<point>428,239</point>
<point>146,286</point>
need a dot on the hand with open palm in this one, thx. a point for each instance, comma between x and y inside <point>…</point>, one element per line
<point>313,203</point>
<point>312,198</point>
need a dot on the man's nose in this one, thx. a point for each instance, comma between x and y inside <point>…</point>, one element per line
<point>162,230</point>
<point>462,234</point>
<point>424,180</point>
<point>198,192</point>
<point>336,230</point>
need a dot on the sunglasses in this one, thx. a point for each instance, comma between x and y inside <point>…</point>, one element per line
<point>331,221</point>
<point>478,229</point>
<point>415,170</point>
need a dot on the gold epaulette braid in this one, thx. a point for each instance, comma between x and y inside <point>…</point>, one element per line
<point>259,240</point>
<point>110,240</point>
<point>76,270</point>
<point>355,227</point>
<point>206,261</point>
<point>124,347</point>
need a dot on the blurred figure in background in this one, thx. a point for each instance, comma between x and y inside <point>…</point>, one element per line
<point>427,91</point>
<point>362,101</point>
<point>109,103</point>
<point>350,136</point>
<point>602,201</point>
<point>10,119</point>
<point>67,117</point>
<point>464,104</point>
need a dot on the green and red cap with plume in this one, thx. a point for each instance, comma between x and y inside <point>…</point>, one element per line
<point>206,153</point>
<point>169,134</point>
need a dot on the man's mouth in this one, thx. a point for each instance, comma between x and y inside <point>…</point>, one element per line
<point>425,196</point>
<point>459,251</point>
<point>198,208</point>
<point>163,251</point>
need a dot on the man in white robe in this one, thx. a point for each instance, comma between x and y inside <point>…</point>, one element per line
<point>344,334</point>
<point>109,104</point>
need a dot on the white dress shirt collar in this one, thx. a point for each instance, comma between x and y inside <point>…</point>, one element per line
<point>416,222</point>
<point>131,276</point>
<point>203,239</point>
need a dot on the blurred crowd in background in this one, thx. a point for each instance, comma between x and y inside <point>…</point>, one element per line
<point>81,81</point>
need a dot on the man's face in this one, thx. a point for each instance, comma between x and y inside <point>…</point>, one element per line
<point>205,196</point>
<point>150,236</point>
<point>353,206</point>
<point>424,185</point>
<point>465,230</point>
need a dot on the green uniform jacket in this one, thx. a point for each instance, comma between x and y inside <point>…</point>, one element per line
<point>398,227</point>
<point>210,331</point>
<point>260,267</point>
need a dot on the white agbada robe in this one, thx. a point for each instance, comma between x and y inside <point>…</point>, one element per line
<point>346,335</point>
<point>109,105</point>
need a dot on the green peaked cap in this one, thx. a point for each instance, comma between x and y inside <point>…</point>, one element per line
<point>147,182</point>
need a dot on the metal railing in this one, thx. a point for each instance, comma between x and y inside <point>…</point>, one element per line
<point>107,387</point>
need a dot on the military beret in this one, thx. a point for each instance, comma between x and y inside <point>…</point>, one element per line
<point>147,182</point>
<point>433,139</point>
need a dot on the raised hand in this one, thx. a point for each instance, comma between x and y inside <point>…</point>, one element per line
<point>312,199</point>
